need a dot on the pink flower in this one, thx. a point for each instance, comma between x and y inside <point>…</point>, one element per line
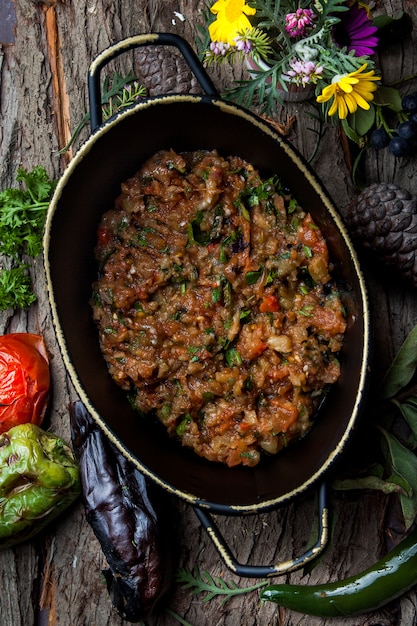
<point>303,72</point>
<point>298,22</point>
<point>218,48</point>
<point>243,45</point>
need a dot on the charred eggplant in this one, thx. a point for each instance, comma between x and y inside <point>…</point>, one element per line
<point>128,516</point>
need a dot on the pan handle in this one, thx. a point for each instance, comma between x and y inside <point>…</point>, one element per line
<point>151,39</point>
<point>267,571</point>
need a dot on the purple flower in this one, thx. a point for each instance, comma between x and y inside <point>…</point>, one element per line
<point>218,48</point>
<point>355,31</point>
<point>243,45</point>
<point>298,22</point>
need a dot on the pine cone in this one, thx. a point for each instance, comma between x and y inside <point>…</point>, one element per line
<point>383,218</point>
<point>164,71</point>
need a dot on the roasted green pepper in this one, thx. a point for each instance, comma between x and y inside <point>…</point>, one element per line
<point>39,478</point>
<point>389,578</point>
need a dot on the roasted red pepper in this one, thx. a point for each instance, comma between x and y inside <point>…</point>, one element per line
<point>24,380</point>
<point>129,518</point>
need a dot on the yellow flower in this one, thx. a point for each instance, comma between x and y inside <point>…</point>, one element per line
<point>364,5</point>
<point>231,20</point>
<point>350,91</point>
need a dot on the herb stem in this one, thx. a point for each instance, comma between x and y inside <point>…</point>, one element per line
<point>179,619</point>
<point>204,582</point>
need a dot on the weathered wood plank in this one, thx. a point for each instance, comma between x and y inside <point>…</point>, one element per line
<point>56,578</point>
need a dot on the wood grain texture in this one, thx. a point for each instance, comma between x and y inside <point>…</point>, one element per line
<point>56,578</point>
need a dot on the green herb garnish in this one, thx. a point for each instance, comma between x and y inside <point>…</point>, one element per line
<point>22,220</point>
<point>232,357</point>
<point>252,277</point>
<point>213,586</point>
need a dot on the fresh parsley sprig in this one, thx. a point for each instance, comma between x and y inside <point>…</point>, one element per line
<point>16,288</point>
<point>22,219</point>
<point>23,212</point>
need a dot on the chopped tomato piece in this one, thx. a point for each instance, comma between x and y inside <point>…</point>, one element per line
<point>103,236</point>
<point>269,304</point>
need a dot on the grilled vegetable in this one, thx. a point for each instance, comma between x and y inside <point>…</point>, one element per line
<point>24,380</point>
<point>39,478</point>
<point>389,578</point>
<point>127,516</point>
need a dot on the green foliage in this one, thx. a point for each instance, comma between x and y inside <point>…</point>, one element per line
<point>16,288</point>
<point>175,616</point>
<point>118,92</point>
<point>359,124</point>
<point>396,412</point>
<point>269,41</point>
<point>22,219</point>
<point>203,582</point>
<point>388,97</point>
<point>403,462</point>
<point>23,211</point>
<point>23,208</point>
<point>262,89</point>
<point>128,95</point>
<point>402,368</point>
<point>203,37</point>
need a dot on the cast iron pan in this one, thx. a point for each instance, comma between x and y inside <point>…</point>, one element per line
<point>113,153</point>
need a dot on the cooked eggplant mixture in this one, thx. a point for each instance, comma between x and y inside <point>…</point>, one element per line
<point>215,305</point>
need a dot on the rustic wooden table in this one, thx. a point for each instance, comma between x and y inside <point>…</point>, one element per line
<point>56,578</point>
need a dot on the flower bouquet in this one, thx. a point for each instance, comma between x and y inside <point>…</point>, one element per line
<point>325,47</point>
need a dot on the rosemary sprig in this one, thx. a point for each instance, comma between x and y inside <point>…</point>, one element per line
<point>203,582</point>
<point>117,93</point>
<point>130,93</point>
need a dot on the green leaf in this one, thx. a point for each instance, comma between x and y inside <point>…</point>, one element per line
<point>362,121</point>
<point>408,410</point>
<point>213,586</point>
<point>351,133</point>
<point>232,357</point>
<point>403,485</point>
<point>404,463</point>
<point>402,368</point>
<point>38,184</point>
<point>388,97</point>
<point>368,482</point>
<point>252,277</point>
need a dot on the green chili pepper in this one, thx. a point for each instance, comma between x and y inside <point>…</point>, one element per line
<point>389,578</point>
<point>39,478</point>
